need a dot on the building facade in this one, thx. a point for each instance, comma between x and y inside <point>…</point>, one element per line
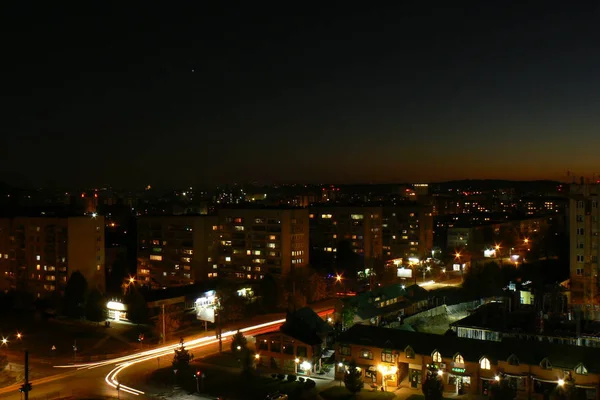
<point>392,358</point>
<point>407,231</point>
<point>255,241</point>
<point>360,226</point>
<point>584,234</point>
<point>177,250</point>
<point>38,254</point>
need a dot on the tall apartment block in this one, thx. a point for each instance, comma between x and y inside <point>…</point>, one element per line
<point>361,226</point>
<point>176,250</point>
<point>261,240</point>
<point>38,254</point>
<point>407,231</point>
<point>584,232</point>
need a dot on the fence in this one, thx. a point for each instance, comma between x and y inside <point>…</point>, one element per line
<point>454,309</point>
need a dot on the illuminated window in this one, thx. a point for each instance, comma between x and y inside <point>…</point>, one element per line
<point>458,359</point>
<point>98,267</point>
<point>237,220</point>
<point>257,252</point>
<point>357,216</point>
<point>387,356</point>
<point>186,259</point>
<point>366,354</point>
<point>239,228</point>
<point>215,227</point>
<point>484,363</point>
<point>581,370</point>
<point>188,252</point>
<point>38,258</point>
<point>272,237</point>
<point>436,357</point>
<point>409,352</point>
<point>155,257</point>
<point>271,245</point>
<point>326,216</point>
<point>227,259</point>
<point>156,242</point>
<point>37,267</point>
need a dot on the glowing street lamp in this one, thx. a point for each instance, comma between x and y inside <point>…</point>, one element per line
<point>561,382</point>
<point>19,336</point>
<point>296,362</point>
<point>497,378</point>
<point>4,341</point>
<point>440,372</point>
<point>526,241</point>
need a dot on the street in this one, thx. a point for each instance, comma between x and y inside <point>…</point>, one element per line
<point>103,377</point>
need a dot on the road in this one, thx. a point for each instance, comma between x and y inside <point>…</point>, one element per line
<point>101,379</point>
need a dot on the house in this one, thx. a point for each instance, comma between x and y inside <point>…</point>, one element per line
<point>392,357</point>
<point>380,305</point>
<point>297,347</point>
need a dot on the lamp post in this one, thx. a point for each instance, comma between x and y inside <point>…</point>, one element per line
<point>296,362</point>
<point>340,366</point>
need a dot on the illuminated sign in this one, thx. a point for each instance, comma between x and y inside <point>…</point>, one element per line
<point>490,253</point>
<point>115,305</point>
<point>205,307</point>
<point>404,273</point>
<point>459,370</point>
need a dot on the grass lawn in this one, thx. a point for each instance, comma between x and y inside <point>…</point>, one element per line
<point>225,359</point>
<point>341,393</point>
<point>219,382</point>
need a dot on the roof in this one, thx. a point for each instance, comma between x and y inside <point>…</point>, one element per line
<point>493,316</point>
<point>366,302</point>
<point>306,326</point>
<point>527,352</point>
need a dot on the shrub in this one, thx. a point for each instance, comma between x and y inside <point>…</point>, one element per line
<point>301,379</point>
<point>274,376</point>
<point>280,377</point>
<point>310,384</point>
<point>291,378</point>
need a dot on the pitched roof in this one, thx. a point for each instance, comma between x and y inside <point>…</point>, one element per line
<point>306,326</point>
<point>366,302</point>
<point>528,352</point>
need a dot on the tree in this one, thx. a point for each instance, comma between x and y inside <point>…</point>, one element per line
<point>182,358</point>
<point>172,321</point>
<point>268,292</point>
<point>238,340</point>
<point>316,288</point>
<point>75,293</point>
<point>232,308</point>
<point>137,310</point>
<point>353,378</point>
<point>433,387</point>
<point>95,307</point>
<point>502,389</point>
<point>116,274</point>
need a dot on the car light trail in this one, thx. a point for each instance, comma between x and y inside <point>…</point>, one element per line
<point>126,361</point>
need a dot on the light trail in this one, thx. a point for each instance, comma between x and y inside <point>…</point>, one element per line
<point>124,362</point>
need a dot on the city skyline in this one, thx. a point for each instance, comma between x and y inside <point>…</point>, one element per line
<point>411,93</point>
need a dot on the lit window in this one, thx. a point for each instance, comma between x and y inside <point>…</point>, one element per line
<point>485,363</point>
<point>581,370</point>
<point>436,357</point>
<point>155,257</point>
<point>215,227</point>
<point>326,216</point>
<point>239,228</point>
<point>272,237</point>
<point>357,216</point>
<point>257,252</point>
<point>38,258</point>
<point>458,359</point>
<point>37,267</point>
<point>98,267</point>
<point>227,259</point>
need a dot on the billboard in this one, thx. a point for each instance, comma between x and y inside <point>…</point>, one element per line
<point>404,273</point>
<point>205,307</point>
<point>491,253</point>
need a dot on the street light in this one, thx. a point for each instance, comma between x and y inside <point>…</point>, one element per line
<point>4,341</point>
<point>497,378</point>
<point>19,336</point>
<point>296,362</point>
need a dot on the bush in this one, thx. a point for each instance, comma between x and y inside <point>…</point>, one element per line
<point>280,377</point>
<point>310,384</point>
<point>301,379</point>
<point>291,378</point>
<point>325,369</point>
<point>274,376</point>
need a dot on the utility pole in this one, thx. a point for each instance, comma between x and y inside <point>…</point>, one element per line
<point>163,325</point>
<point>26,387</point>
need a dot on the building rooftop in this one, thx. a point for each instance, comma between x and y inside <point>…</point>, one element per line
<point>306,326</point>
<point>472,350</point>
<point>366,302</point>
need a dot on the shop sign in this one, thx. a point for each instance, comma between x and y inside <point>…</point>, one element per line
<point>459,370</point>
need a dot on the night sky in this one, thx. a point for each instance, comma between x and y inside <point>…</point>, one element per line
<point>419,92</point>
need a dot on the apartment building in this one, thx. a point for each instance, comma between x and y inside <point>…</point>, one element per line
<point>584,234</point>
<point>258,240</point>
<point>176,250</point>
<point>407,230</point>
<point>38,254</point>
<point>361,226</point>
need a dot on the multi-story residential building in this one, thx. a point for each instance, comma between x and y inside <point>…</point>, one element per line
<point>361,226</point>
<point>38,254</point>
<point>584,233</point>
<point>177,250</point>
<point>407,231</point>
<point>259,240</point>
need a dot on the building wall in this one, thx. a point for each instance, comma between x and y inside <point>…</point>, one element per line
<point>584,231</point>
<point>40,253</point>
<point>86,250</point>
<point>407,231</point>
<point>473,376</point>
<point>176,250</point>
<point>257,241</point>
<point>361,226</point>
<point>278,359</point>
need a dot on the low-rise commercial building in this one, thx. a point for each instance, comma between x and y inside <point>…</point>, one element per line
<point>394,358</point>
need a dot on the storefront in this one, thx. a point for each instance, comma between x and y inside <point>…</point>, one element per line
<point>116,310</point>
<point>460,379</point>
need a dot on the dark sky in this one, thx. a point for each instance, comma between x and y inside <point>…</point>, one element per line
<point>413,92</point>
